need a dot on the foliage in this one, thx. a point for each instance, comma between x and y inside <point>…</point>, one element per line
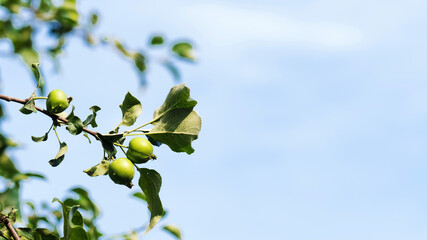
<point>174,124</point>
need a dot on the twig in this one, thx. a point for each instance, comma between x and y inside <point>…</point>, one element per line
<point>9,227</point>
<point>44,111</point>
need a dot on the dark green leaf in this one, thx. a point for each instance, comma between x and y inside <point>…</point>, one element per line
<point>40,139</point>
<point>77,219</point>
<point>177,129</point>
<point>60,156</point>
<point>74,125</point>
<point>78,233</point>
<point>99,169</point>
<point>25,233</point>
<point>107,141</point>
<point>131,109</point>
<point>140,64</point>
<point>12,215</point>
<point>150,183</point>
<point>157,40</point>
<point>44,234</point>
<point>154,142</point>
<point>91,118</point>
<point>174,230</point>
<point>184,50</point>
<point>29,107</point>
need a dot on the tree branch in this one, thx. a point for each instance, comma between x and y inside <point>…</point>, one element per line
<point>44,111</point>
<point>9,227</point>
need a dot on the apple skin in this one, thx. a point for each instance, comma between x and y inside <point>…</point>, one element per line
<point>140,150</point>
<point>57,101</point>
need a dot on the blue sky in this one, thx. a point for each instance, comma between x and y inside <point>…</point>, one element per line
<point>313,118</point>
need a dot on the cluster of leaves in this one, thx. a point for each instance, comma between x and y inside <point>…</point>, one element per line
<point>23,19</point>
<point>75,218</point>
<point>175,124</point>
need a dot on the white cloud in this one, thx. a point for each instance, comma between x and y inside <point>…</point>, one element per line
<point>229,25</point>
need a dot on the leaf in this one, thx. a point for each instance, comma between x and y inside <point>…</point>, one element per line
<point>34,175</point>
<point>107,141</point>
<point>119,46</point>
<point>7,167</point>
<point>78,233</point>
<point>157,40</point>
<point>173,70</point>
<point>178,97</point>
<point>150,183</point>
<point>12,215</point>
<point>37,75</point>
<point>40,139</point>
<point>77,219</point>
<point>91,118</point>
<point>139,60</point>
<point>87,136</point>
<point>25,233</point>
<point>74,125</point>
<point>10,198</point>
<point>131,109</point>
<point>85,202</point>
<point>66,213</point>
<point>29,107</point>
<point>60,156</point>
<point>174,230</point>
<point>177,129</point>
<point>44,234</point>
<point>99,169</point>
<point>184,50</point>
<point>140,195</point>
<point>154,142</point>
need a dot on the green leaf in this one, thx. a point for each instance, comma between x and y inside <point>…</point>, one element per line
<point>44,234</point>
<point>178,97</point>
<point>37,75</point>
<point>174,230</point>
<point>29,55</point>
<point>10,198</point>
<point>99,169</point>
<point>78,233</point>
<point>184,50</point>
<point>91,118</point>
<point>29,107</point>
<point>87,136</point>
<point>77,219</point>
<point>40,139</point>
<point>157,40</point>
<point>107,141</point>
<point>177,129</point>
<point>12,215</point>
<point>34,175</point>
<point>139,60</point>
<point>150,183</point>
<point>74,125</point>
<point>85,201</point>
<point>25,233</point>
<point>60,156</point>
<point>7,167</point>
<point>131,109</point>
<point>66,213</point>
<point>140,195</point>
<point>173,70</point>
